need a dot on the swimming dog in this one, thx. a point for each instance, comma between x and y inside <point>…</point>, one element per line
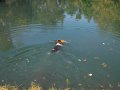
<point>58,45</point>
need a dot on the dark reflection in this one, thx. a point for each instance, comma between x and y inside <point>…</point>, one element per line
<point>22,12</point>
<point>50,12</point>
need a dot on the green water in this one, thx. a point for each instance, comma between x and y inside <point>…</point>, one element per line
<point>27,29</point>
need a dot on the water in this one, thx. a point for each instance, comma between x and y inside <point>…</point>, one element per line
<point>27,33</point>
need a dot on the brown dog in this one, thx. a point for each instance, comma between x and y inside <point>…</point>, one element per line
<point>59,44</point>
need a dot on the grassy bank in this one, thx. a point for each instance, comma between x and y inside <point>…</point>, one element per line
<point>33,86</point>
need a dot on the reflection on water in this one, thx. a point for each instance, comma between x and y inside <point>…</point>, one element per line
<point>28,28</point>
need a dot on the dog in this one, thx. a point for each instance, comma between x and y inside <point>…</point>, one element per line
<point>58,45</point>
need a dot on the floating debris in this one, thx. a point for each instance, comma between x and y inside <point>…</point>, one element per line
<point>49,53</point>
<point>103,43</point>
<point>79,60</point>
<point>27,60</point>
<point>90,74</point>
<point>104,65</point>
<point>84,60</point>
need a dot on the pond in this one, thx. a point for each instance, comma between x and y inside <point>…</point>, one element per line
<point>90,59</point>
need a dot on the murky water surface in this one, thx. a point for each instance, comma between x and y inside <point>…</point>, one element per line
<point>90,60</point>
